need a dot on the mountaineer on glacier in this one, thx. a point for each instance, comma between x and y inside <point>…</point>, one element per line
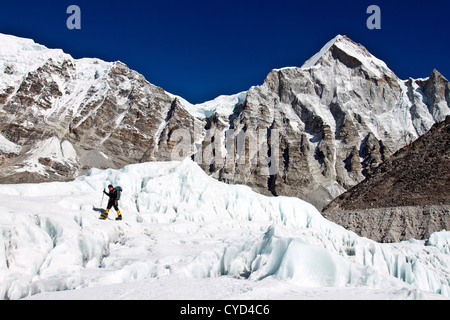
<point>114,197</point>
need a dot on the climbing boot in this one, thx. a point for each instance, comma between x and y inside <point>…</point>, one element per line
<point>104,215</point>
<point>119,215</point>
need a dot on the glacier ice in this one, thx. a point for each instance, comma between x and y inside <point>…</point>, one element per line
<point>182,225</point>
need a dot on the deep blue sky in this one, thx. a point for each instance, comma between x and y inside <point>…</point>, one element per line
<point>201,49</point>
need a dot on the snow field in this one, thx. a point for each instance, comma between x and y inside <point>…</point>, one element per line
<point>223,105</point>
<point>184,231</point>
<point>8,147</point>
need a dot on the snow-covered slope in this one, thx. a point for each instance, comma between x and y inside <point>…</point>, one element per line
<point>8,147</point>
<point>221,106</point>
<point>186,235</point>
<point>20,56</point>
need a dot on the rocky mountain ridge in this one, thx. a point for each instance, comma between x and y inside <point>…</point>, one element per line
<point>416,175</point>
<point>405,197</point>
<point>310,132</point>
<point>337,118</point>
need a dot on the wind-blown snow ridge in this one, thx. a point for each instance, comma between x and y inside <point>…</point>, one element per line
<point>183,226</point>
<point>313,60</point>
<point>19,56</point>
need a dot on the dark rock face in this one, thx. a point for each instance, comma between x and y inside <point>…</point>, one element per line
<point>309,132</point>
<point>416,175</point>
<point>394,224</point>
<point>404,197</point>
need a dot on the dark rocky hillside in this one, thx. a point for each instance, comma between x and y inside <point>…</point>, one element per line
<point>406,196</point>
<point>418,174</point>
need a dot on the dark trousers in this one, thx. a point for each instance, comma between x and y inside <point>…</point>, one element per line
<point>113,203</point>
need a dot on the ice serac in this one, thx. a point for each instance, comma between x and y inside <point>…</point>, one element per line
<point>320,128</point>
<point>180,224</point>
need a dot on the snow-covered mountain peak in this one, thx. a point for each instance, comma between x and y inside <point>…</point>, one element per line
<point>20,56</point>
<point>315,58</point>
<point>13,45</point>
<point>25,52</point>
<point>351,54</point>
